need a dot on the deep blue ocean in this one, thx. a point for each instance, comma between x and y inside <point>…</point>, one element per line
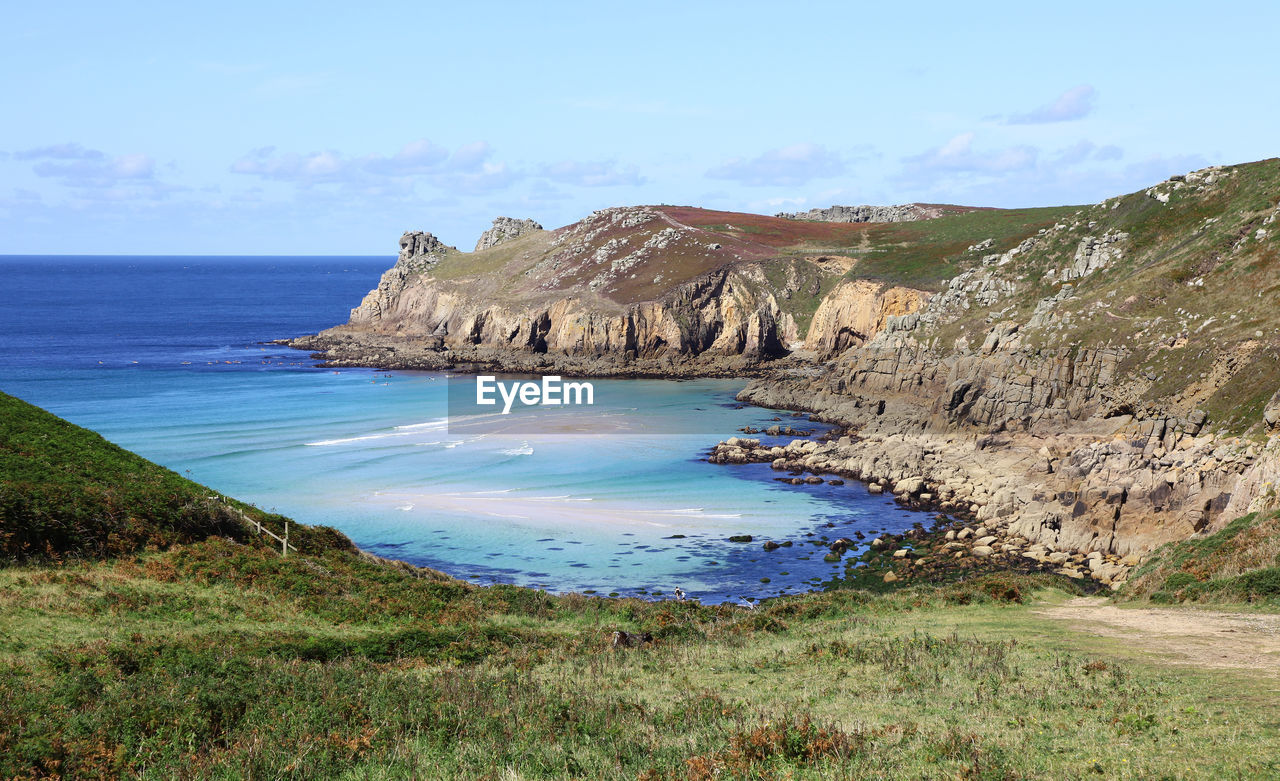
<point>167,357</point>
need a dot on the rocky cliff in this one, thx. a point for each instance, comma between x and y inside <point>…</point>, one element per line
<point>1095,379</point>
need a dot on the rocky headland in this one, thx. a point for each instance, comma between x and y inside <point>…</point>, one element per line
<point>1079,384</point>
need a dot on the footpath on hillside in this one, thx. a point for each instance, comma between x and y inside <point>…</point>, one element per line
<point>1205,638</point>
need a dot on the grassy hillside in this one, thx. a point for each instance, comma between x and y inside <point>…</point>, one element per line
<point>218,658</point>
<point>1191,298</point>
<point>66,492</point>
<point>221,660</point>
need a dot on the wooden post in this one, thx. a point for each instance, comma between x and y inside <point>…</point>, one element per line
<point>284,549</point>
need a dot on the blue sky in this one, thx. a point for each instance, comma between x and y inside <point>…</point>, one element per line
<point>329,128</point>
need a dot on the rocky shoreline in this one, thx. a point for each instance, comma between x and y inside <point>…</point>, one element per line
<point>391,352</point>
<point>956,535</point>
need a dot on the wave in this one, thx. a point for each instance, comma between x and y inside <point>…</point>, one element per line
<point>399,431</point>
<point>524,450</point>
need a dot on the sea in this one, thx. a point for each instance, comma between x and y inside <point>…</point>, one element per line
<point>170,357</point>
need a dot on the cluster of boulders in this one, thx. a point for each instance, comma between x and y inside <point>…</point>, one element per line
<point>776,431</point>
<point>995,542</point>
<point>505,229</point>
<point>895,469</point>
<point>985,535</point>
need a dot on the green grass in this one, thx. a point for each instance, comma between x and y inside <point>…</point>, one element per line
<point>219,660</point>
<point>928,253</point>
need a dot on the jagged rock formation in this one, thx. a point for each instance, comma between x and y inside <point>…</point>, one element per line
<point>421,250</point>
<point>505,229</point>
<point>907,212</point>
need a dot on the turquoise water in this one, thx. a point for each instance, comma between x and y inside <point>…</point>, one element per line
<point>371,452</point>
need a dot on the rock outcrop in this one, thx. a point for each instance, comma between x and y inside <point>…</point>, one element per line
<point>907,212</point>
<point>420,250</point>
<point>505,229</point>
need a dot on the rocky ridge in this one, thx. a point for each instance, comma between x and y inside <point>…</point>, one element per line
<point>907,212</point>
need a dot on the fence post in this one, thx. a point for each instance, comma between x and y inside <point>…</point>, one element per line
<point>284,545</point>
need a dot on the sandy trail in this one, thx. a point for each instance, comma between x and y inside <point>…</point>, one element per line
<point>1204,638</point>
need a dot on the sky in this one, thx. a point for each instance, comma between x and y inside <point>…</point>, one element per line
<point>330,128</point>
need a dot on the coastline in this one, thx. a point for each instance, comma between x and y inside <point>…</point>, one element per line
<point>869,446</point>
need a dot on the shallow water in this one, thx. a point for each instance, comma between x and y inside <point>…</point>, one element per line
<point>163,357</point>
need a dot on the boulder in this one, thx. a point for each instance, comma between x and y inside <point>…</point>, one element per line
<point>1271,413</point>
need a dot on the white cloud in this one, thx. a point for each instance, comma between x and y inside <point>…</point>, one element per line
<point>605,173</point>
<point>467,168</point>
<point>958,156</point>
<point>1075,103</point>
<point>783,167</point>
<point>1083,151</point>
<point>68,151</point>
<point>93,175</point>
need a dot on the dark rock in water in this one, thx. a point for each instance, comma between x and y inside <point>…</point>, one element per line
<point>764,580</point>
<point>741,538</point>
<point>771,545</point>
<point>841,545</point>
<point>835,482</point>
<point>831,557</point>
<point>815,480</point>
<point>786,543</point>
<point>796,481</point>
<point>674,537</point>
<point>830,525</point>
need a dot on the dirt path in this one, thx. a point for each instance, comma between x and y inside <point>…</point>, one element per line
<point>1204,638</point>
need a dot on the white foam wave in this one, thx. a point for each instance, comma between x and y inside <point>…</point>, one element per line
<point>399,431</point>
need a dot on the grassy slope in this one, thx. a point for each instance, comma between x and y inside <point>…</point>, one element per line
<point>219,658</point>
<point>66,491</point>
<point>1183,336</point>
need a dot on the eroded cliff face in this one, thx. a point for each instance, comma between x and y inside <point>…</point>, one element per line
<point>722,313</point>
<point>855,311</point>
